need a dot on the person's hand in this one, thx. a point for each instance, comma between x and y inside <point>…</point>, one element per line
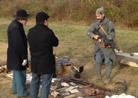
<point>99,40</point>
<point>24,62</point>
<point>96,37</point>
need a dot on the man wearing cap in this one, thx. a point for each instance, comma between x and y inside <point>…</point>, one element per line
<point>41,41</point>
<point>17,52</point>
<point>102,52</point>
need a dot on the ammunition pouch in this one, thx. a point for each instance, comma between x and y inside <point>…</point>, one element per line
<point>104,46</point>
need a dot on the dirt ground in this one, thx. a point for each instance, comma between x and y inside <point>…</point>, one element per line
<point>119,74</point>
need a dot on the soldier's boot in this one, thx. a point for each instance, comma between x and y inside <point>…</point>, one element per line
<point>108,72</point>
<point>107,80</point>
<point>98,70</point>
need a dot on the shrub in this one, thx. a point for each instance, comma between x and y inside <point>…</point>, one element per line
<point>121,11</point>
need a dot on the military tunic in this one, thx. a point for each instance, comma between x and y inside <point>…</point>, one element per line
<point>109,28</point>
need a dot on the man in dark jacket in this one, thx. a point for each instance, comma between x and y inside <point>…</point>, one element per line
<point>17,52</point>
<point>41,41</point>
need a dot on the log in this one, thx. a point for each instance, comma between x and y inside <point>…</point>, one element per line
<point>130,59</point>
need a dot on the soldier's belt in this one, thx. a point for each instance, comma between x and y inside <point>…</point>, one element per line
<point>104,46</point>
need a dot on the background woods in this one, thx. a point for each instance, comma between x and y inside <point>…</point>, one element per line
<point>122,12</point>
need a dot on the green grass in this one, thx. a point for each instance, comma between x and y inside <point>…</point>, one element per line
<point>74,43</point>
<point>3,34</point>
<point>127,40</point>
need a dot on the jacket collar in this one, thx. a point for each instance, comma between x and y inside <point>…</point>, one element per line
<point>16,21</point>
<point>105,20</point>
<point>42,25</point>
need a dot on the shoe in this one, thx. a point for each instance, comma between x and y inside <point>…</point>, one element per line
<point>14,93</point>
<point>107,80</point>
<point>26,96</point>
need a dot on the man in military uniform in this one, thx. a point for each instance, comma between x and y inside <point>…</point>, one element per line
<point>102,51</point>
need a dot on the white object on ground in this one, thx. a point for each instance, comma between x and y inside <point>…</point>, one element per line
<point>121,96</point>
<point>130,63</point>
<point>69,88</point>
<point>55,79</point>
<point>64,84</point>
<point>54,94</point>
<point>74,91</point>
<point>28,77</point>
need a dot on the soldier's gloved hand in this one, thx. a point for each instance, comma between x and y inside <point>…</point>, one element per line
<point>24,62</point>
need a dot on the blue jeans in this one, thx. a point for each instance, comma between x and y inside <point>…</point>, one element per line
<point>35,83</point>
<point>100,56</point>
<point>18,83</point>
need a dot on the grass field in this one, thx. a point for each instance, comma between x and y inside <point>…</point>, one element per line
<point>74,43</point>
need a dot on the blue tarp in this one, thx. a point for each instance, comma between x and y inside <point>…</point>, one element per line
<point>64,61</point>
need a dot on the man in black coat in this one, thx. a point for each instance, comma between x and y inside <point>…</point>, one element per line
<point>41,41</point>
<point>17,52</point>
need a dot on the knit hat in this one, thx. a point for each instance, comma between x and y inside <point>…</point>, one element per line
<point>41,16</point>
<point>100,11</point>
<point>21,13</point>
